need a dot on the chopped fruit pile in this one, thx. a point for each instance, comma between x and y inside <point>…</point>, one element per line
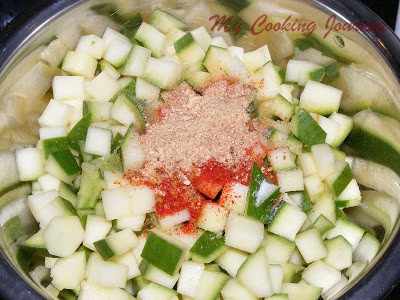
<point>173,166</point>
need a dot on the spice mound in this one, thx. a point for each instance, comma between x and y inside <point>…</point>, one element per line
<point>197,128</point>
<point>199,146</point>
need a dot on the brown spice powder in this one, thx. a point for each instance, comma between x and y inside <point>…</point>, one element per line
<point>196,128</point>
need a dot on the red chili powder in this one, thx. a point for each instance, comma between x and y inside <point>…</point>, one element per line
<point>174,196</point>
<point>210,178</point>
<point>159,113</point>
<point>242,172</point>
<point>205,140</point>
<point>135,178</point>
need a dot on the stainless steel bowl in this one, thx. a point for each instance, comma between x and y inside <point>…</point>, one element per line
<point>36,27</point>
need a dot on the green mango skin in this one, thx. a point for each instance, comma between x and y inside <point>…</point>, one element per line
<point>259,211</point>
<point>307,129</point>
<point>79,132</point>
<point>370,146</point>
<point>162,254</point>
<point>54,144</point>
<point>208,245</point>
